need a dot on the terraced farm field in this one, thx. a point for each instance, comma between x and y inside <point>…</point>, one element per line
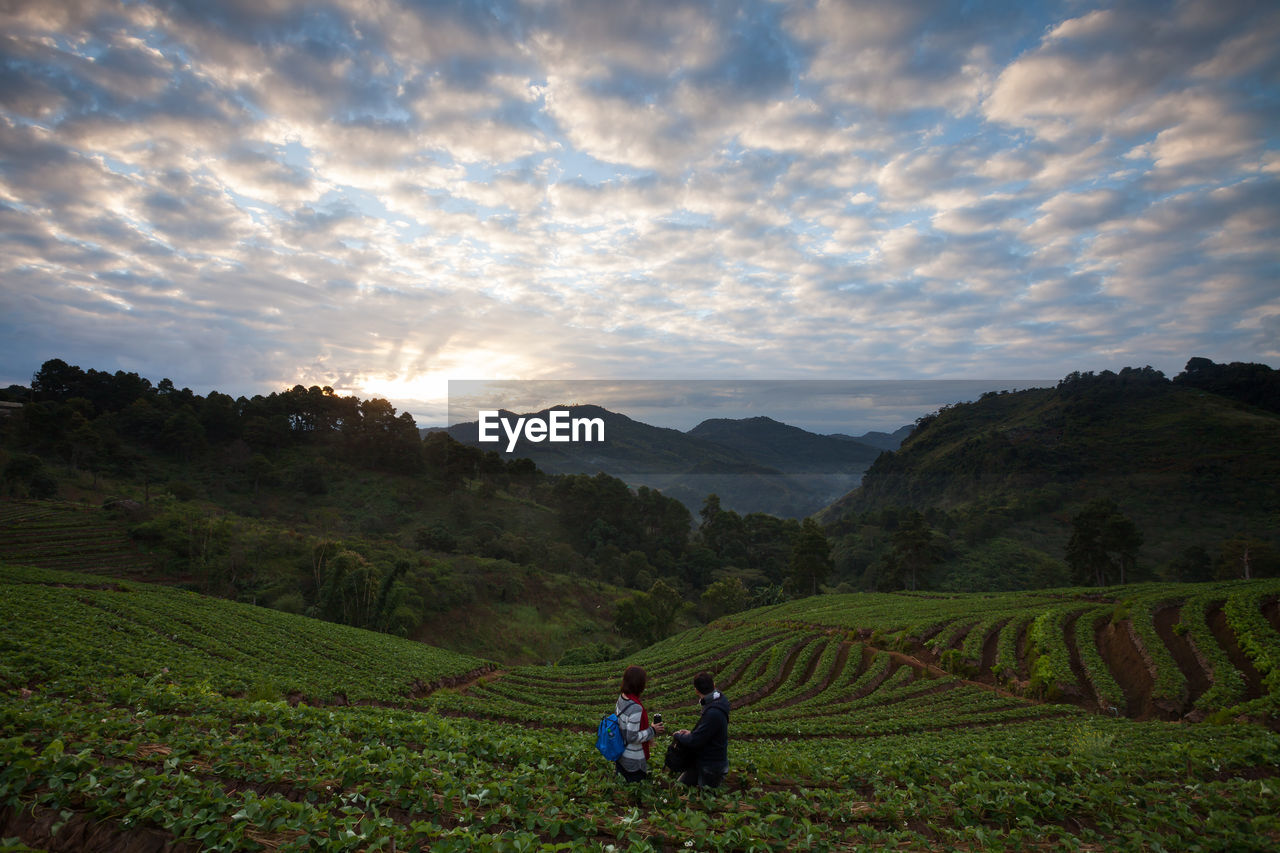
<point>905,722</point>
<point>64,536</point>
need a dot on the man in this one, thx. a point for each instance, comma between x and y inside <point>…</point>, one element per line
<point>708,743</point>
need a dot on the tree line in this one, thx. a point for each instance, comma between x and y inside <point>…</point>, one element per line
<point>1084,483</point>
<point>339,507</point>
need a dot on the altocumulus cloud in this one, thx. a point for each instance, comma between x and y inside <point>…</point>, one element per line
<point>379,196</point>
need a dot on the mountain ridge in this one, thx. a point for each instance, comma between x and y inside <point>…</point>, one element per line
<point>1193,469</point>
<point>750,463</point>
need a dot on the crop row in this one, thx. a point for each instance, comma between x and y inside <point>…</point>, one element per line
<point>813,677</point>
<point>67,628</point>
<point>788,669</point>
<point>1073,640</point>
<point>837,743</point>
<point>42,513</point>
<point>1088,626</point>
<point>228,774</point>
<point>66,537</point>
<point>876,696</point>
<point>1169,683</point>
<point>903,613</point>
<point>596,684</point>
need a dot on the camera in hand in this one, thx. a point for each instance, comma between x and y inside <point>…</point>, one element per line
<point>657,718</point>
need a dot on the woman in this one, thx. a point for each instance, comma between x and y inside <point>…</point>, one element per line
<point>633,722</point>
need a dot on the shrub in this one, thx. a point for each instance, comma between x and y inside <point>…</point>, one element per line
<point>290,602</point>
<point>593,653</point>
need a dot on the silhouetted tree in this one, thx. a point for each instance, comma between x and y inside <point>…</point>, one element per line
<point>1104,544</point>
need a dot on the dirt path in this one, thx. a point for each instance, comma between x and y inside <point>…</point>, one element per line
<point>465,682</point>
<point>1188,658</point>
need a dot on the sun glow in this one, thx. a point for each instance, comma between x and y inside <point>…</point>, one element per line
<point>425,393</point>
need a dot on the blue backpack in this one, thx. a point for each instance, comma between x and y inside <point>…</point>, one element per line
<point>609,740</point>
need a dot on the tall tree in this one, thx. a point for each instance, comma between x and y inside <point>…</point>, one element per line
<point>1104,544</point>
<point>915,550</point>
<point>1247,558</point>
<point>810,556</point>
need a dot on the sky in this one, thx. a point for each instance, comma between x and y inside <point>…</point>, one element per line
<point>382,196</point>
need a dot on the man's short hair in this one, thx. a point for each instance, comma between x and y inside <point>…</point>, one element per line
<point>704,683</point>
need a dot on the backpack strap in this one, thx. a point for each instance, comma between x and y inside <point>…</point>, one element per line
<point>625,710</point>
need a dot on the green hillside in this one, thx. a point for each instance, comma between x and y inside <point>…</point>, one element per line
<point>859,722</point>
<point>476,605</point>
<point>330,506</point>
<point>77,628</point>
<point>1192,469</point>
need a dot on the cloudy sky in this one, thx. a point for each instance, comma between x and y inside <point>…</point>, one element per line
<point>380,196</point>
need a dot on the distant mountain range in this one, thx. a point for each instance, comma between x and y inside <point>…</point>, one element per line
<point>883,440</point>
<point>753,464</point>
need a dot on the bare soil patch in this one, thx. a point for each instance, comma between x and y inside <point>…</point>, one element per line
<point>83,833</point>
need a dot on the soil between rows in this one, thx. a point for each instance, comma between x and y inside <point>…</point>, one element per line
<point>1185,654</point>
<point>1221,628</point>
<point>1131,669</point>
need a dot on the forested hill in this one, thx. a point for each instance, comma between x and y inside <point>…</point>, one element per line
<point>787,448</point>
<point>327,505</point>
<point>1192,462</point>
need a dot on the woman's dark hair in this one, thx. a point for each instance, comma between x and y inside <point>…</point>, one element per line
<point>704,683</point>
<point>633,680</point>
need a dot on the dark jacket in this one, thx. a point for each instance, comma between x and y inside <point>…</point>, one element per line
<point>709,740</point>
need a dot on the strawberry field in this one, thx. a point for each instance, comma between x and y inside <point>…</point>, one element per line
<point>66,537</point>
<point>135,717</point>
